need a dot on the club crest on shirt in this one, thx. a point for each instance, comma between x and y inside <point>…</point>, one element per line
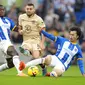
<point>33,22</point>
<point>75,49</point>
<point>28,28</point>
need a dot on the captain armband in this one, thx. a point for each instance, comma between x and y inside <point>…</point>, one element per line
<point>80,59</point>
<point>55,38</point>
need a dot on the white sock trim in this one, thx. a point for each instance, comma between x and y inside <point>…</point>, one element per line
<point>16,63</point>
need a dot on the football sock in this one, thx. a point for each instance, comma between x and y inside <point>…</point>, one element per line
<point>16,63</point>
<point>3,67</point>
<point>35,62</point>
<point>53,74</point>
<point>24,51</point>
<point>44,69</point>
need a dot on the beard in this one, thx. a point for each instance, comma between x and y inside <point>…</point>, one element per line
<point>29,15</point>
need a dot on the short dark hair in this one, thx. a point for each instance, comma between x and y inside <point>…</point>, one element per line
<point>1,6</point>
<point>78,30</point>
<point>30,4</point>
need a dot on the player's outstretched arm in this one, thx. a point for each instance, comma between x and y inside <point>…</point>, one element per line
<point>81,66</point>
<point>50,36</point>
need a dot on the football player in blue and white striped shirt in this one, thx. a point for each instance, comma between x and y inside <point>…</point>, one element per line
<point>7,48</point>
<point>66,51</point>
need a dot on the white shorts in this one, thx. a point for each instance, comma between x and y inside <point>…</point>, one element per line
<point>4,46</point>
<point>55,62</point>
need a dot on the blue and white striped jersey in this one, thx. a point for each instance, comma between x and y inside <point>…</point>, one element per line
<point>6,25</point>
<point>66,51</point>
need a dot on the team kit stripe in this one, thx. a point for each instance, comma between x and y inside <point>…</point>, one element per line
<point>67,52</point>
<point>4,29</point>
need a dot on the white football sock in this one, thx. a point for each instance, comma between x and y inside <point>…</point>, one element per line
<point>35,62</point>
<point>3,67</point>
<point>53,74</point>
<point>16,63</point>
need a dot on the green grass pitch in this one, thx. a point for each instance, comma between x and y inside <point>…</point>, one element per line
<point>70,77</point>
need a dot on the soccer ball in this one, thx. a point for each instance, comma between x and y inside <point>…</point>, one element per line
<point>33,71</point>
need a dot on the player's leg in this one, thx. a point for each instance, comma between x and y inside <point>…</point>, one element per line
<point>34,50</point>
<point>56,72</point>
<point>3,67</point>
<point>44,69</point>
<point>26,52</point>
<point>46,60</point>
<point>36,53</point>
<point>31,63</point>
<point>8,64</point>
<point>25,48</point>
<point>58,67</point>
<point>14,60</point>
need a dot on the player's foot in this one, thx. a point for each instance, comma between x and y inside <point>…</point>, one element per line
<point>21,65</point>
<point>44,71</point>
<point>22,74</point>
<point>21,49</point>
<point>47,74</point>
<point>25,52</point>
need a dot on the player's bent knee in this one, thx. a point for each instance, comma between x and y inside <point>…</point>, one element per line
<point>53,74</point>
<point>11,51</point>
<point>36,54</point>
<point>48,60</point>
<point>58,71</point>
<point>10,62</point>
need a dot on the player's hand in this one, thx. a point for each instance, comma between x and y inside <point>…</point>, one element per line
<point>42,29</point>
<point>20,32</point>
<point>42,46</point>
<point>83,75</point>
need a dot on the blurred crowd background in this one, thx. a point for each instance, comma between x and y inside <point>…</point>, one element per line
<point>58,15</point>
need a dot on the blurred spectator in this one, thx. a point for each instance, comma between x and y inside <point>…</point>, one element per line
<point>83,28</point>
<point>13,12</point>
<point>79,11</point>
<point>50,20</point>
<point>78,5</point>
<point>43,7</point>
<point>40,8</point>
<point>60,8</point>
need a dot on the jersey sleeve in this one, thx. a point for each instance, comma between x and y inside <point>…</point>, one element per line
<point>50,36</point>
<point>12,24</point>
<point>79,55</point>
<point>81,66</point>
<point>80,61</point>
<point>20,21</point>
<point>59,39</point>
<point>41,23</point>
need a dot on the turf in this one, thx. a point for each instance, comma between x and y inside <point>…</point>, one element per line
<point>70,77</point>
